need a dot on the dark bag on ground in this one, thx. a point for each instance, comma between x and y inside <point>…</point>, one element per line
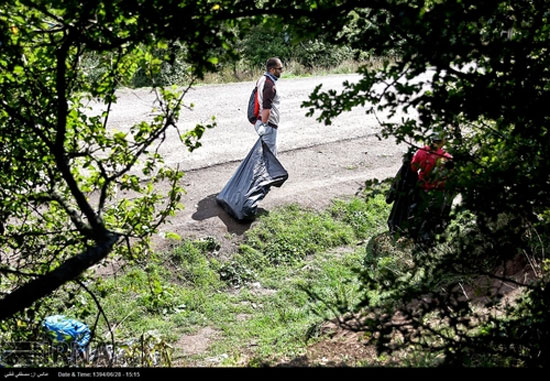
<point>258,172</point>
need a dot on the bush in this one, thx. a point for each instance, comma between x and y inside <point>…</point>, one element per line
<point>263,42</point>
<point>318,53</point>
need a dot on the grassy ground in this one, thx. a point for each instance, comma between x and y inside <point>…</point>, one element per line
<point>255,308</point>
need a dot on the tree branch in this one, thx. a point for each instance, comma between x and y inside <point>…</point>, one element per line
<point>59,150</point>
<point>102,312</point>
<point>26,295</point>
<point>73,214</point>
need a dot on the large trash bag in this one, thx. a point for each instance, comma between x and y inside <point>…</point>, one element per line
<point>403,193</point>
<point>62,329</point>
<point>258,172</point>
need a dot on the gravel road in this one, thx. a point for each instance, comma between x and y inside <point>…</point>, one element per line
<point>324,162</point>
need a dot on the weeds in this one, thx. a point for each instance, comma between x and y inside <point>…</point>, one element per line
<point>295,269</point>
<point>256,299</point>
<point>294,233</point>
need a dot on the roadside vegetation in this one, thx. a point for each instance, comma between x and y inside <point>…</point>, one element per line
<point>256,304</point>
<point>479,297</point>
<point>318,56</point>
<point>294,271</point>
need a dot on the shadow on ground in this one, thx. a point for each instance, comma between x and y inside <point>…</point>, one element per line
<point>209,208</point>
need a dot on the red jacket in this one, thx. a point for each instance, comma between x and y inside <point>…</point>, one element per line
<point>424,161</point>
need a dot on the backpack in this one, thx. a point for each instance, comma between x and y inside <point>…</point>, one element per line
<point>253,110</point>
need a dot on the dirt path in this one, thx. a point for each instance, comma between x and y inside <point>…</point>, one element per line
<point>323,162</point>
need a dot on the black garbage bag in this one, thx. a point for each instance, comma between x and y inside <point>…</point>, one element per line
<point>258,172</point>
<point>404,195</point>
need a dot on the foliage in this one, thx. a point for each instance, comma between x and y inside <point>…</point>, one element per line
<point>149,351</point>
<point>321,53</point>
<point>268,40</point>
<point>264,319</point>
<point>285,237</point>
<point>264,41</point>
<point>240,269</point>
<point>62,168</point>
<point>282,303</point>
<point>363,217</point>
<point>479,73</point>
<point>293,233</point>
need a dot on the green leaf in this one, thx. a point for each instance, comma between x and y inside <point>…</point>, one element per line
<point>172,235</point>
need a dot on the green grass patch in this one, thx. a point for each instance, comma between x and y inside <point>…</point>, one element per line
<point>278,314</point>
<point>295,269</point>
<point>293,233</point>
<point>362,217</point>
<point>291,265</point>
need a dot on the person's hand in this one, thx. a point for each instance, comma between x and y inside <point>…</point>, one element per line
<point>262,129</point>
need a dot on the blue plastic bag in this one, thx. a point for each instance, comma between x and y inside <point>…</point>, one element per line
<point>62,329</point>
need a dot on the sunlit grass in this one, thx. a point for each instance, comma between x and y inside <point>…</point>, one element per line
<point>263,317</point>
